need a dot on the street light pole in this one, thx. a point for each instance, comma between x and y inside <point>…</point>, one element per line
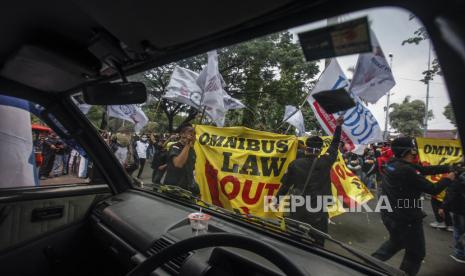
<point>388,98</point>
<point>427,92</point>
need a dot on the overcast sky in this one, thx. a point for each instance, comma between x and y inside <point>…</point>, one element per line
<point>392,26</point>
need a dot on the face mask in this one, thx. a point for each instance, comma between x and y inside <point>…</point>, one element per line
<point>144,139</point>
<point>313,151</point>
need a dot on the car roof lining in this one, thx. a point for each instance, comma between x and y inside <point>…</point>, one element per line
<point>212,24</point>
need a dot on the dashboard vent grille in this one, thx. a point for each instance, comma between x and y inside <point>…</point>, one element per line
<point>98,211</point>
<point>173,265</point>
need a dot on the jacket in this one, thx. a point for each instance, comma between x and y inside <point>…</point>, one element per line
<point>403,183</point>
<point>455,198</point>
<point>320,180</point>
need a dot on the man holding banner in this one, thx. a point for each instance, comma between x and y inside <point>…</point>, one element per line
<point>315,171</point>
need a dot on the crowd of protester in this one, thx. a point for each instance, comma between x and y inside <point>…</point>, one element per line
<point>55,158</point>
<point>448,212</point>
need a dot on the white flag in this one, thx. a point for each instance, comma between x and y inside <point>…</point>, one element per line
<point>231,103</point>
<point>213,90</point>
<point>373,77</point>
<point>360,126</point>
<point>17,165</point>
<point>294,116</point>
<point>183,87</point>
<point>131,113</point>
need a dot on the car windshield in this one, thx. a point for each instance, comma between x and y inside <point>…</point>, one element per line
<point>251,131</point>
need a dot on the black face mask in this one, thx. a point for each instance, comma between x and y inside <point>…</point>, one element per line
<point>312,151</point>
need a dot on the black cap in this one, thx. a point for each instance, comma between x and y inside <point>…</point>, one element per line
<point>334,101</point>
<point>314,142</point>
<point>402,145</point>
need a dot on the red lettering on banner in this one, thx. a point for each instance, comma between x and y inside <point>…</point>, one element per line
<point>271,187</point>
<point>340,172</point>
<point>212,180</point>
<point>338,185</point>
<point>236,186</point>
<point>246,192</point>
<point>211,175</point>
<point>349,173</point>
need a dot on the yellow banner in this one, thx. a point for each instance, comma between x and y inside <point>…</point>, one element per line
<point>345,184</point>
<point>433,151</point>
<point>237,167</point>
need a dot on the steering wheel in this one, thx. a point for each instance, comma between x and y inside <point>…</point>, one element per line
<point>218,239</point>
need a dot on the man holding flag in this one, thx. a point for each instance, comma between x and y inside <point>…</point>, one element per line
<point>315,171</point>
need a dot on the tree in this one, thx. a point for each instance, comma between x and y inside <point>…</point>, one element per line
<point>408,117</point>
<point>418,36</point>
<point>449,114</point>
<point>156,80</point>
<point>265,73</point>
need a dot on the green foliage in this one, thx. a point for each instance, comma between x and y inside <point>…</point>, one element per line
<point>418,36</point>
<point>95,115</point>
<point>408,117</point>
<point>449,114</point>
<point>35,119</point>
<point>266,74</point>
<point>150,127</point>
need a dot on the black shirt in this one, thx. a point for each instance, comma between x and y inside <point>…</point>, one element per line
<point>455,198</point>
<point>182,177</point>
<point>320,180</point>
<point>403,183</point>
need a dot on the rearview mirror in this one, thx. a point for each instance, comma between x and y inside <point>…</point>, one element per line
<point>116,93</point>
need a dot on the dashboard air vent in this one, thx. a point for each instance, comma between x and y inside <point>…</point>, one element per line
<point>173,265</point>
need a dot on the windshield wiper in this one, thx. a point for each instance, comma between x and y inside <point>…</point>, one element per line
<point>182,193</point>
<point>294,228</point>
<point>305,228</point>
<point>178,192</point>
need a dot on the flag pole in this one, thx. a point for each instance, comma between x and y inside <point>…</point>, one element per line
<point>292,114</point>
<point>203,114</point>
<point>306,97</point>
<point>158,105</point>
<point>288,128</point>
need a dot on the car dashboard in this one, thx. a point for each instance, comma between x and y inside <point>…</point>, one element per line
<point>135,225</point>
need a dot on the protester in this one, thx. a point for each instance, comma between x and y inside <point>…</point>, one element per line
<point>159,161</point>
<point>355,165</point>
<point>403,183</point>
<point>315,171</point>
<point>181,162</point>
<point>48,153</point>
<point>454,202</point>
<point>300,150</point>
<point>442,222</point>
<point>369,168</point>
<point>124,152</point>
<point>141,148</point>
<point>59,161</point>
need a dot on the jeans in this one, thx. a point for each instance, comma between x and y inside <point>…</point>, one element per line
<point>403,235</point>
<point>436,205</point>
<point>459,235</point>
<point>66,158</point>
<point>141,167</point>
<point>83,163</point>
<point>58,165</point>
<point>47,165</point>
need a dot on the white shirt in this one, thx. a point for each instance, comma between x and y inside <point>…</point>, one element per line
<point>141,148</point>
